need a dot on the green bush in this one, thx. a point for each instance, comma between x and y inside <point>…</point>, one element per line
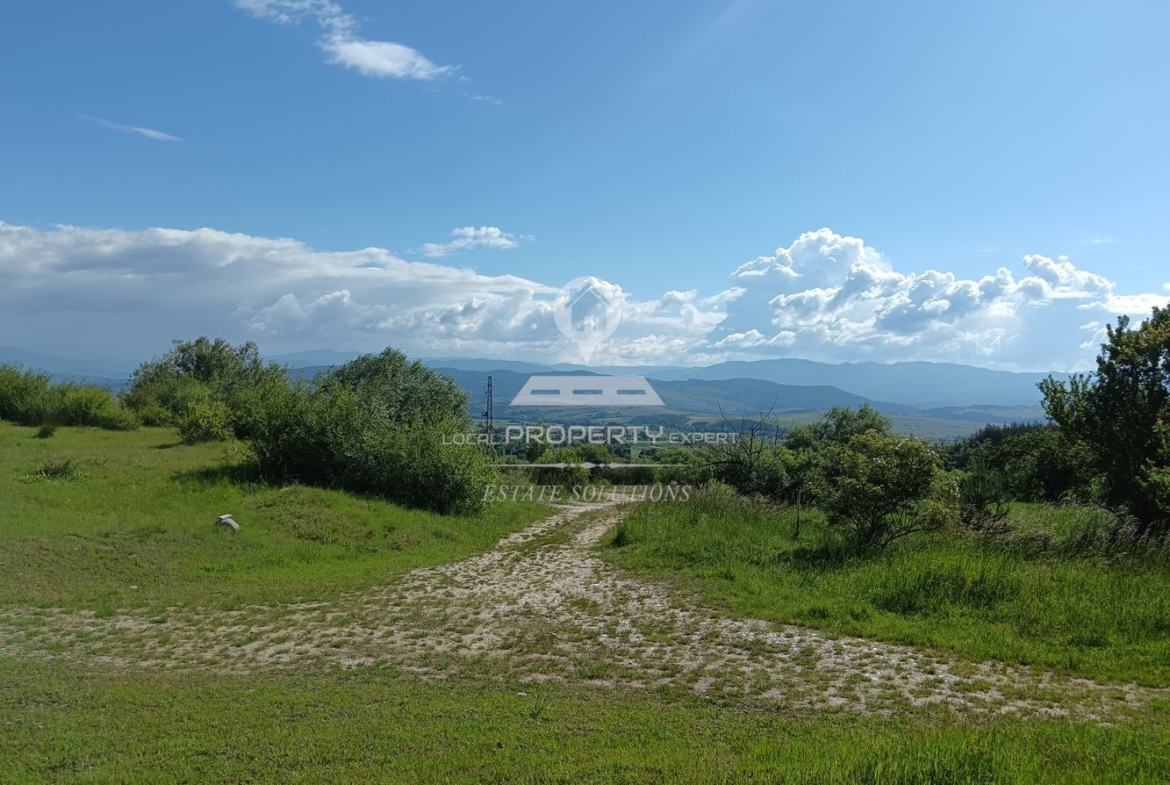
<point>89,405</point>
<point>751,464</point>
<point>155,415</point>
<point>27,398</point>
<point>162,391</point>
<point>206,421</point>
<point>983,498</point>
<point>875,489</point>
<point>838,426</point>
<point>687,468</point>
<point>572,475</point>
<point>375,426</point>
<point>24,395</point>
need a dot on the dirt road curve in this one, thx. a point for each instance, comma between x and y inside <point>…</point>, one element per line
<point>543,605</point>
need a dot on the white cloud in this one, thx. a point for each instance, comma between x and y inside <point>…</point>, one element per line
<point>827,297</point>
<point>742,340</point>
<point>134,291</point>
<point>487,99</point>
<point>832,297</point>
<point>468,237</point>
<point>149,133</point>
<point>342,44</point>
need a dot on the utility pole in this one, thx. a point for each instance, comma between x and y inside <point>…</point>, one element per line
<point>489,415</point>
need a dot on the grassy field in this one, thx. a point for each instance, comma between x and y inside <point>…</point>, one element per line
<point>123,524</point>
<point>105,521</point>
<point>373,726</point>
<point>1084,616</point>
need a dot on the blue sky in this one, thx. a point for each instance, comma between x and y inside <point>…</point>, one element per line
<point>657,146</point>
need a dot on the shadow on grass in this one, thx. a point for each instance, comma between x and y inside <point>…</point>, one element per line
<point>823,555</point>
<point>242,473</point>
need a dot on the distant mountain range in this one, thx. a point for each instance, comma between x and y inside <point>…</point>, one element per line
<point>920,385</point>
<point>718,398</point>
<point>106,373</point>
<point>943,391</point>
<point>65,365</point>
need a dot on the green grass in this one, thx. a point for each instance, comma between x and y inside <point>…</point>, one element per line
<point>110,520</point>
<point>983,601</point>
<point>370,725</point>
<point>125,521</point>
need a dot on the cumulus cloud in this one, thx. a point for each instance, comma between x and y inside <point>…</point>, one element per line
<point>149,133</point>
<point>342,44</point>
<point>823,297</point>
<point>832,297</point>
<point>468,237</point>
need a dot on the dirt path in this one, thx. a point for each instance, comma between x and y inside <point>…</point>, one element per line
<point>544,606</point>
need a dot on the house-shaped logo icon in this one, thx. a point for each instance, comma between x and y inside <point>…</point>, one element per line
<point>589,310</point>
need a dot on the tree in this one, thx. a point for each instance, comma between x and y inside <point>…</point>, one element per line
<point>874,488</point>
<point>402,391</point>
<point>163,390</point>
<point>838,426</point>
<point>1121,412</point>
<point>1037,461</point>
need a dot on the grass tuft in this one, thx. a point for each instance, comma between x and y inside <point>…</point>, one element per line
<point>58,468</point>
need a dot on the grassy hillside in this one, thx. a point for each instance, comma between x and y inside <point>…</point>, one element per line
<point>107,520</point>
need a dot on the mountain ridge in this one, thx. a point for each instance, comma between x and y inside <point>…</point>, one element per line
<point>920,385</point>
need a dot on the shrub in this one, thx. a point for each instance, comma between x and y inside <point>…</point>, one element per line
<point>27,398</point>
<point>838,426</point>
<point>717,494</point>
<point>24,395</point>
<point>376,426</point>
<point>200,371</point>
<point>118,418</point>
<point>89,405</point>
<point>206,421</point>
<point>874,489</point>
<point>46,431</point>
<point>751,464</point>
<point>688,466</point>
<point>570,475</point>
<point>155,415</point>
<point>983,498</point>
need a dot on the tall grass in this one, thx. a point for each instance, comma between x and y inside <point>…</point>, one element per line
<point>985,599</point>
